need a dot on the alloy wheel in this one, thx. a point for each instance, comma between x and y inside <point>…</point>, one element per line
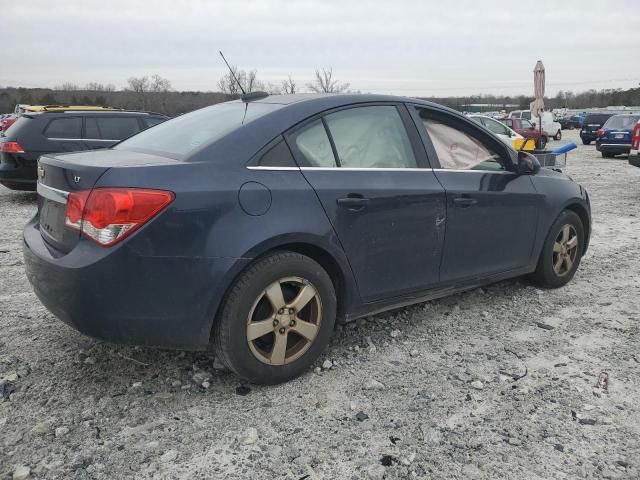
<point>565,250</point>
<point>284,321</point>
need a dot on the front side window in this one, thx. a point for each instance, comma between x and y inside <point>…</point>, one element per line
<point>371,137</point>
<point>182,135</point>
<point>526,115</point>
<point>64,128</point>
<point>457,148</point>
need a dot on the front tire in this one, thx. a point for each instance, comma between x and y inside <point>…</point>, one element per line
<point>543,142</point>
<point>277,318</point>
<point>586,142</point>
<point>558,135</point>
<point>561,252</point>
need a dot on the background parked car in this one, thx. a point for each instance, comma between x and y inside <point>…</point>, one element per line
<point>61,130</point>
<point>570,122</point>
<point>634,154</point>
<point>527,130</point>
<point>503,132</point>
<point>7,121</point>
<point>591,124</point>
<point>615,135</point>
<point>549,124</point>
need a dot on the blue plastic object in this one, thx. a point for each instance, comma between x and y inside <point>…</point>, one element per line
<point>564,149</point>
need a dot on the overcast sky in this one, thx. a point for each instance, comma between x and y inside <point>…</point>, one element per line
<point>421,47</point>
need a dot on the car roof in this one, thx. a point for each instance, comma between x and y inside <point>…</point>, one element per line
<point>106,112</point>
<point>335,99</point>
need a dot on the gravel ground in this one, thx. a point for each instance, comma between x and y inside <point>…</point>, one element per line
<point>494,383</point>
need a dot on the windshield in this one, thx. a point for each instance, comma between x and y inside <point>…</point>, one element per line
<point>184,134</point>
<point>622,121</point>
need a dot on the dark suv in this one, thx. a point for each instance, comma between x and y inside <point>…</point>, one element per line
<point>38,133</point>
<point>592,123</point>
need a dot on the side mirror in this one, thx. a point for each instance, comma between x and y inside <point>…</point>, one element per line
<point>527,164</point>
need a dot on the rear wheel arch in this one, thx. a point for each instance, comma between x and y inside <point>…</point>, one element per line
<point>341,279</point>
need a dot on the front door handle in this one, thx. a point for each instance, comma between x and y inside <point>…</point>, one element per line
<point>353,201</point>
<point>464,202</point>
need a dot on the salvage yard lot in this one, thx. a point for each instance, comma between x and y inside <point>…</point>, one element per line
<point>493,383</point>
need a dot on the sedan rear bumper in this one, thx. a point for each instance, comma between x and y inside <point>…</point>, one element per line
<point>159,301</point>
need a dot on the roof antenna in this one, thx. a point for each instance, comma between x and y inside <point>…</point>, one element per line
<point>232,74</point>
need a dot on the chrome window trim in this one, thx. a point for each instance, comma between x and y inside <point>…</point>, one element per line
<point>380,169</point>
<point>366,169</point>
<point>263,167</point>
<point>53,194</point>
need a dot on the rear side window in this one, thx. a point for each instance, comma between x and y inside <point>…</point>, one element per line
<point>64,128</point>
<point>184,134</point>
<point>371,137</point>
<point>623,122</point>
<point>314,146</point>
<point>111,128</point>
<point>277,156</point>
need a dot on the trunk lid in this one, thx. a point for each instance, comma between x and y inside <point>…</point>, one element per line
<point>59,175</point>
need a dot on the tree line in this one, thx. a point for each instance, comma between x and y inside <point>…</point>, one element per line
<point>156,93</point>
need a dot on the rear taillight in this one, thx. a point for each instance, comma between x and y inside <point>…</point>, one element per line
<point>635,141</point>
<point>600,132</point>
<point>108,215</point>
<point>11,147</point>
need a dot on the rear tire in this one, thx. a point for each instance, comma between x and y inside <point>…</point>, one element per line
<point>558,135</point>
<point>586,142</point>
<point>561,252</point>
<point>608,155</point>
<point>257,332</point>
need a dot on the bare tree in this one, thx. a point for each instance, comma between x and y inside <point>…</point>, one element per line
<point>67,87</point>
<point>159,84</point>
<point>109,87</point>
<point>141,87</point>
<point>249,81</point>
<point>325,83</point>
<point>94,87</point>
<point>289,86</point>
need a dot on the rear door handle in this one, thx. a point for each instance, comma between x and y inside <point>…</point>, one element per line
<point>464,202</point>
<point>353,201</point>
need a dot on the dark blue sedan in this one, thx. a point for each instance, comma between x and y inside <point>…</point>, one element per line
<point>615,136</point>
<point>255,225</point>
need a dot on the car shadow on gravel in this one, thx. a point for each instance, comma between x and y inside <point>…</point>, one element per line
<point>16,197</point>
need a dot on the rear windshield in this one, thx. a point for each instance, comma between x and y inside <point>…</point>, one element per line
<point>598,118</point>
<point>622,121</point>
<point>181,135</point>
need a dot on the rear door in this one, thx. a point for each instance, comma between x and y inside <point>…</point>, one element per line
<point>101,131</point>
<point>492,213</point>
<point>385,204</point>
<point>64,134</point>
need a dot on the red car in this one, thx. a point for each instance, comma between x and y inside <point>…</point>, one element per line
<point>527,130</point>
<point>7,121</point>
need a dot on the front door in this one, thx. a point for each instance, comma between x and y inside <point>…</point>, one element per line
<point>386,207</point>
<point>492,212</point>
